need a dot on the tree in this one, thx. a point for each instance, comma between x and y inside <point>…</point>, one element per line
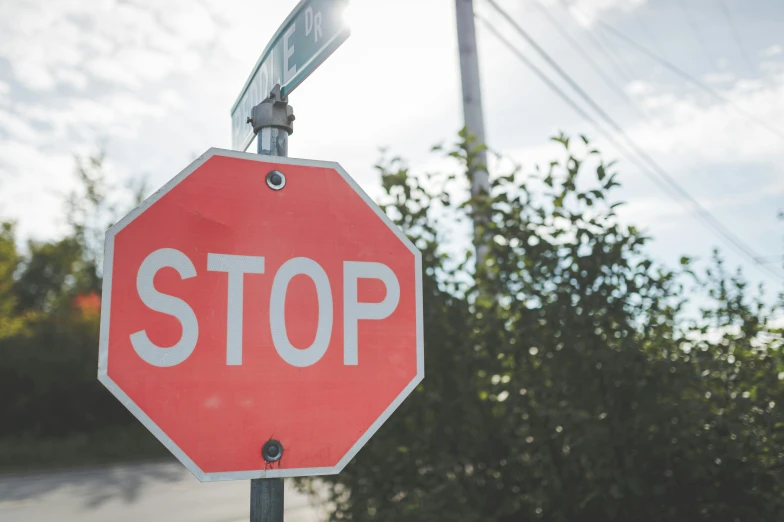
<point>10,323</point>
<point>569,382</point>
<point>50,305</point>
<point>95,205</point>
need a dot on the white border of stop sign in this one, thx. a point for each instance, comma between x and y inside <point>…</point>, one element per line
<point>232,356</point>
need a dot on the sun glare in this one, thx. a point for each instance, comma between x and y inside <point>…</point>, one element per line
<point>348,16</point>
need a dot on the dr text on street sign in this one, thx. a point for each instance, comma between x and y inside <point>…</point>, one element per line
<point>312,32</point>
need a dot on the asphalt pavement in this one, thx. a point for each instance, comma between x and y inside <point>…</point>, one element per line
<point>149,492</point>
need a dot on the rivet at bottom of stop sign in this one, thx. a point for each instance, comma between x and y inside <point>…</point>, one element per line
<point>272,450</point>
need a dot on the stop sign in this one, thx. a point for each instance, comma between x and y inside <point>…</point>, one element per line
<point>255,298</point>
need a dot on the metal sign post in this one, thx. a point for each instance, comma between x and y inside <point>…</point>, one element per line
<point>272,121</point>
<point>266,500</point>
<point>313,30</point>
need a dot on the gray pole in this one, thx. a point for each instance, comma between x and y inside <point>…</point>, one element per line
<point>273,121</point>
<point>266,500</point>
<point>472,105</point>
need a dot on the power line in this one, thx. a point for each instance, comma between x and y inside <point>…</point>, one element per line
<point>579,110</point>
<point>686,76</point>
<point>577,47</point>
<point>697,34</point>
<point>648,166</point>
<point>538,72</point>
<point>771,259</point>
<point>601,46</point>
<point>736,34</point>
<point>673,188</point>
<point>580,50</point>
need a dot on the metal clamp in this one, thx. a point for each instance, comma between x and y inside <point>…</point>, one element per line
<point>273,111</point>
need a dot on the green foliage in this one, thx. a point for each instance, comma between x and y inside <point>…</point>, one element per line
<point>53,271</point>
<point>49,321</point>
<point>48,372</point>
<point>10,323</point>
<point>568,383</point>
<point>92,208</point>
<point>565,380</point>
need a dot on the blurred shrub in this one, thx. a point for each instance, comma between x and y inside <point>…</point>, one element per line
<point>49,322</point>
<point>574,380</point>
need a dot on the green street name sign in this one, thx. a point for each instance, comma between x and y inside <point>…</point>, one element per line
<point>313,30</point>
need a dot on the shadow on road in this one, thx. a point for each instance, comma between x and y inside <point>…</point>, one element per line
<point>95,486</point>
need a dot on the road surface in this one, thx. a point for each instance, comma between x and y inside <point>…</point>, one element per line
<point>149,492</point>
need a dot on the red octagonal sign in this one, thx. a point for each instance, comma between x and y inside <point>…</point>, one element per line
<point>255,298</point>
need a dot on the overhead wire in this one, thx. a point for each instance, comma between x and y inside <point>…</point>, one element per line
<point>688,77</point>
<point>696,30</point>
<point>630,149</point>
<point>618,90</point>
<point>736,34</point>
<point>772,259</point>
<point>587,57</point>
<point>540,74</point>
<point>601,46</point>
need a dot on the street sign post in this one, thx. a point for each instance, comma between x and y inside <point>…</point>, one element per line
<point>312,32</point>
<point>262,317</point>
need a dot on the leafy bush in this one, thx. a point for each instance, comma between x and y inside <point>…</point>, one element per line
<point>576,380</point>
<point>49,322</point>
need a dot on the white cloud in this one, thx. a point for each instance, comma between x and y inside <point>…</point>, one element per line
<point>720,77</point>
<point>48,44</point>
<point>711,131</point>
<point>588,11</point>
<point>72,78</point>
<point>667,214</point>
<point>84,74</point>
<point>541,155</point>
<point>193,23</point>
<point>23,192</point>
<point>773,50</point>
<point>18,128</point>
<point>638,87</point>
<point>154,81</point>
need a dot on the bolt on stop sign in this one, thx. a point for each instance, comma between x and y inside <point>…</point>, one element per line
<point>255,298</point>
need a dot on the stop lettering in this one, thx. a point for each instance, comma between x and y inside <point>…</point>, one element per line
<point>236,267</point>
<point>236,311</point>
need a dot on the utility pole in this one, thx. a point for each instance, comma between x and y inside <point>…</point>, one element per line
<point>472,109</point>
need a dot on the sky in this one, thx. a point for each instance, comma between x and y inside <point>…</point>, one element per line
<point>151,82</point>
